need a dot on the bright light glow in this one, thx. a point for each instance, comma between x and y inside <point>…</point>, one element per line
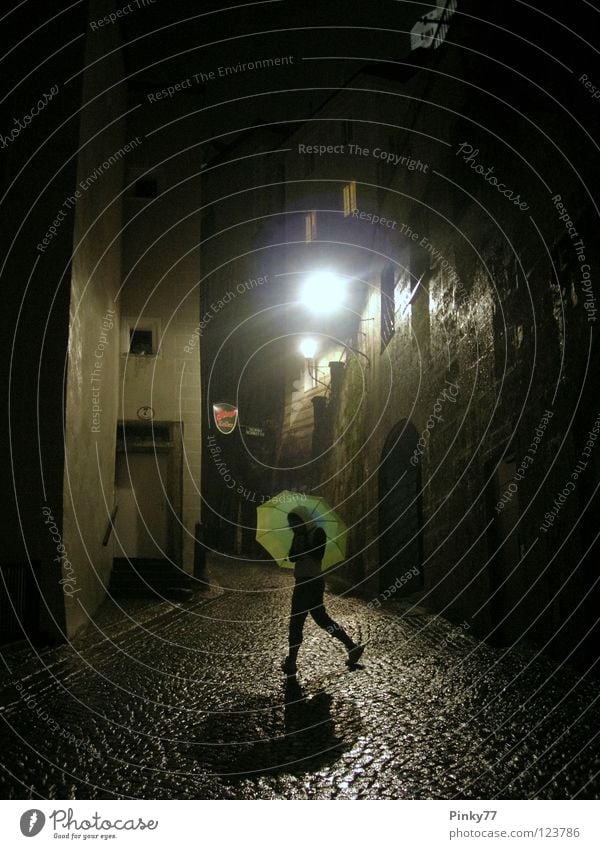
<point>308,348</point>
<point>324,291</point>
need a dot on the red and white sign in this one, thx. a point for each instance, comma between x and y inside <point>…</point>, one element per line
<point>226,416</point>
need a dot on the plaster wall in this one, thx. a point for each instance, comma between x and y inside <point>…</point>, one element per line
<point>92,373</point>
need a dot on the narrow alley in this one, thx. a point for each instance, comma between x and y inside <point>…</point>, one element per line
<point>186,700</point>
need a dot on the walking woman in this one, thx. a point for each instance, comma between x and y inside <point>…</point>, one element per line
<point>306,553</point>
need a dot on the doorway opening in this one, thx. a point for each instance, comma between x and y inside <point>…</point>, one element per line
<point>400,513</point>
<point>503,546</point>
<point>148,488</point>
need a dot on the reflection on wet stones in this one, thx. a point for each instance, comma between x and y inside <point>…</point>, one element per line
<point>298,734</point>
<point>196,707</point>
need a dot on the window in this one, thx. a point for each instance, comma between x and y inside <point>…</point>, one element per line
<point>349,198</point>
<point>310,226</point>
<point>143,182</point>
<point>141,343</point>
<point>431,29</point>
<point>388,306</point>
<point>140,337</point>
<point>310,375</point>
<point>147,187</point>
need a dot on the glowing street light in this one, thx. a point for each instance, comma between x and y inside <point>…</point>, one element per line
<point>324,291</point>
<point>308,348</point>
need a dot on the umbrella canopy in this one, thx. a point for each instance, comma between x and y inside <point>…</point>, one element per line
<point>275,535</point>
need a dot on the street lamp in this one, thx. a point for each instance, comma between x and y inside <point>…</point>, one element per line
<point>324,291</point>
<point>308,348</point>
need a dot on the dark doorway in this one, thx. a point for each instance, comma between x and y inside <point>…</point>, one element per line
<point>19,601</point>
<point>400,542</point>
<point>503,547</point>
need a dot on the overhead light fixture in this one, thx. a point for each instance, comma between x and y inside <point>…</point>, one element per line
<point>308,348</point>
<point>324,291</point>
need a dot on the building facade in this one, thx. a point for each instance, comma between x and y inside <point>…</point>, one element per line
<point>101,449</point>
<point>446,411</point>
<point>452,437</point>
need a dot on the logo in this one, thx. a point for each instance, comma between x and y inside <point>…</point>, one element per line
<point>226,416</point>
<point>32,822</point>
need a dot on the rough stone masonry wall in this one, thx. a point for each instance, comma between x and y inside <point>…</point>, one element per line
<point>514,339</point>
<point>491,363</point>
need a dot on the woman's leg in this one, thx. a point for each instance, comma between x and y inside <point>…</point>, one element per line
<point>298,616</point>
<point>323,619</point>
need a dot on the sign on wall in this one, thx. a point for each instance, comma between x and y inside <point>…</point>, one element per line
<point>249,430</point>
<point>225,416</point>
<point>431,29</point>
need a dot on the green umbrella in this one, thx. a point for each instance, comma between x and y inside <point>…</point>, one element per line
<point>275,535</point>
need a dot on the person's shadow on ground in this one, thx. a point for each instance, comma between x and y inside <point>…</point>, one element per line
<point>309,729</point>
<point>295,736</point>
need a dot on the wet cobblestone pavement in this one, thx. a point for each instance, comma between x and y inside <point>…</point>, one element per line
<point>187,701</point>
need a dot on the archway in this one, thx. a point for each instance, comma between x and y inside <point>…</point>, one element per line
<point>400,518</point>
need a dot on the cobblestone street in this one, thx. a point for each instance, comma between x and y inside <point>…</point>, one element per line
<point>164,700</point>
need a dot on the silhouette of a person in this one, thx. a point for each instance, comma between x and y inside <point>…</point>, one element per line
<point>306,553</point>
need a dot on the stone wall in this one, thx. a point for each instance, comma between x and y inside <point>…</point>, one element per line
<point>491,332</point>
<point>93,363</point>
